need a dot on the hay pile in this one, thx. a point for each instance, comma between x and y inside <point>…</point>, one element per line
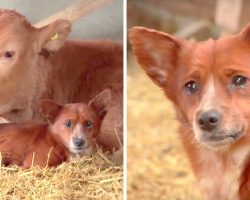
<point>157,165</point>
<point>89,178</point>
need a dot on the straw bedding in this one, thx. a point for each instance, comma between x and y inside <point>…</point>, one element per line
<point>157,165</point>
<point>95,177</point>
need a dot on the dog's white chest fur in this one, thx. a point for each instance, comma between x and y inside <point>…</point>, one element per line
<point>219,178</point>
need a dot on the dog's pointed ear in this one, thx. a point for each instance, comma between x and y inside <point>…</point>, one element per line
<point>156,52</point>
<point>101,102</point>
<point>50,110</point>
<point>245,33</point>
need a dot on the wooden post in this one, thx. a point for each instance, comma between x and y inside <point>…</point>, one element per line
<point>74,12</point>
<point>228,14</point>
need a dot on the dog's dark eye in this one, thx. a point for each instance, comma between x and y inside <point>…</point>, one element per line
<point>239,81</point>
<point>9,54</point>
<point>191,87</point>
<point>89,124</point>
<point>68,123</point>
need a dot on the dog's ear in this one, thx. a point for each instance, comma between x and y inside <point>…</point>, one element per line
<point>50,110</point>
<point>156,52</point>
<point>245,33</point>
<point>101,102</point>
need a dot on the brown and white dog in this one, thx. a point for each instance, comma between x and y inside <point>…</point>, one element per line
<point>71,131</point>
<point>209,85</point>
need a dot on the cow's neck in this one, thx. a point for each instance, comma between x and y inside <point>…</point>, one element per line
<point>62,76</point>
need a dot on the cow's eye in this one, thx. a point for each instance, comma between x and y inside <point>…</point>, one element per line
<point>238,81</point>
<point>191,87</point>
<point>9,54</point>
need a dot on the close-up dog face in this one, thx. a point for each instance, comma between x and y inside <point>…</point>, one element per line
<point>77,125</point>
<point>208,82</point>
<point>60,62</point>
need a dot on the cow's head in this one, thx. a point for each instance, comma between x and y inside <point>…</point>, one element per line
<point>21,47</point>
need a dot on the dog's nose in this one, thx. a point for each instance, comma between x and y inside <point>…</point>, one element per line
<point>78,141</point>
<point>209,120</point>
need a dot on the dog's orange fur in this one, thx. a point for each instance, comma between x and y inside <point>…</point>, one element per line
<point>221,165</point>
<point>50,144</point>
<point>43,66</point>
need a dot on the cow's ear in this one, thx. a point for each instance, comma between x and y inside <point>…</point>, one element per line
<point>53,36</point>
<point>101,102</point>
<point>50,110</point>
<point>156,52</point>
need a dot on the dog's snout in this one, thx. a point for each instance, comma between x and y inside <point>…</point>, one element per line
<point>78,141</point>
<point>209,120</point>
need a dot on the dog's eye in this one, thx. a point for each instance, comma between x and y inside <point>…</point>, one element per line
<point>9,54</point>
<point>68,123</point>
<point>191,87</point>
<point>239,81</point>
<point>89,124</point>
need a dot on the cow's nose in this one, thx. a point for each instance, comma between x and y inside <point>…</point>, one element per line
<point>78,141</point>
<point>209,120</point>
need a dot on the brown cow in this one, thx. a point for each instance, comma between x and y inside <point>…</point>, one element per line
<point>41,63</point>
<point>71,131</point>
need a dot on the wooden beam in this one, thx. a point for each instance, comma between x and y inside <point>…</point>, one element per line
<point>200,30</point>
<point>195,8</point>
<point>228,14</point>
<point>245,14</point>
<point>74,12</point>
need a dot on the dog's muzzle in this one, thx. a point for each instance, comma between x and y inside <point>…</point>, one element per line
<point>209,120</point>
